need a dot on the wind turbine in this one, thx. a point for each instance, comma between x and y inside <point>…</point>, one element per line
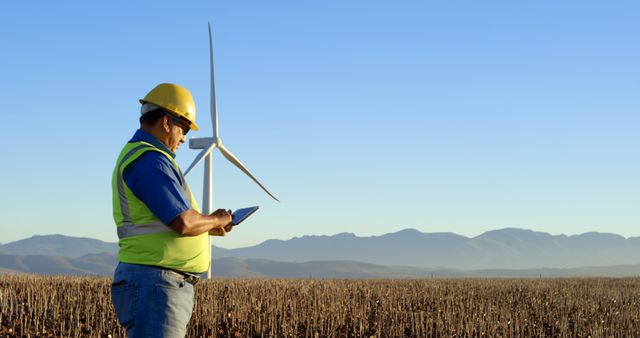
<point>207,144</point>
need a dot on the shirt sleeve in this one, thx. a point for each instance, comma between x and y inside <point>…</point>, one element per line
<point>154,180</point>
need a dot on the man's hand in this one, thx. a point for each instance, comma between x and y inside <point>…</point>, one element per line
<point>193,223</point>
<point>224,217</point>
<point>221,231</point>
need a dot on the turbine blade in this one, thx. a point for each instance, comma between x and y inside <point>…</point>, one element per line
<point>240,166</point>
<point>214,107</point>
<point>200,156</point>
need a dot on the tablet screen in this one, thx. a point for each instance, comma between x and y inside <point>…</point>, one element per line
<point>241,214</point>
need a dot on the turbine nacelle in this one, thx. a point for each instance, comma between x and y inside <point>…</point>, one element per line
<point>203,142</point>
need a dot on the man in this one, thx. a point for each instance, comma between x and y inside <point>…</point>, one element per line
<point>163,237</point>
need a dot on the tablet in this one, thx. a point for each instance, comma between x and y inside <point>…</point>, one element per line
<point>241,214</point>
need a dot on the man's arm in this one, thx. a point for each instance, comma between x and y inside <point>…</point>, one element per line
<point>193,223</point>
<point>153,179</point>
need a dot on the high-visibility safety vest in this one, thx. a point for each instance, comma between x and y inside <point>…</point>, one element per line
<point>143,238</point>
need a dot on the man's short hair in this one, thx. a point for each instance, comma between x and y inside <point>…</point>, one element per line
<point>152,117</point>
<point>151,113</point>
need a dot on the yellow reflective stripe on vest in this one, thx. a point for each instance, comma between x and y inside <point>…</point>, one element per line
<point>129,230</point>
<point>124,205</point>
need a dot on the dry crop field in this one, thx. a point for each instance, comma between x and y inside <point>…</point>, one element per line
<point>81,307</point>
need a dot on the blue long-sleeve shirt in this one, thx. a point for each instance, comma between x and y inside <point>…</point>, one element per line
<point>155,180</point>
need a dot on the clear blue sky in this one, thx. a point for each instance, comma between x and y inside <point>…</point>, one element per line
<point>361,116</point>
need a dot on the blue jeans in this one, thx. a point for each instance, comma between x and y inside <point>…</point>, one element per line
<point>151,302</point>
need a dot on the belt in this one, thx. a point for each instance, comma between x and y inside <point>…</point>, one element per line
<point>189,278</point>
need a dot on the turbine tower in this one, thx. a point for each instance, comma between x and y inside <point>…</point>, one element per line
<point>207,144</point>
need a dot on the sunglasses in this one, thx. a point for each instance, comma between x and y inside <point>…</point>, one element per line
<point>185,127</point>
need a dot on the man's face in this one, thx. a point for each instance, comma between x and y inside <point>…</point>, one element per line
<point>177,133</point>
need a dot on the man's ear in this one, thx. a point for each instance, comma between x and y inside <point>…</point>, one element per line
<point>165,123</point>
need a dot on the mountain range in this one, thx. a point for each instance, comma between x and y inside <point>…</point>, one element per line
<point>407,253</point>
<point>500,249</point>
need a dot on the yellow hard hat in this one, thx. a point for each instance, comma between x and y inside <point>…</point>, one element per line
<point>175,99</point>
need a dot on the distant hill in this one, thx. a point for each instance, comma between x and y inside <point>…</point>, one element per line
<point>500,249</point>
<point>94,264</point>
<point>229,267</point>
<point>593,271</point>
<point>510,249</point>
<point>236,267</point>
<point>57,245</point>
<point>9,271</point>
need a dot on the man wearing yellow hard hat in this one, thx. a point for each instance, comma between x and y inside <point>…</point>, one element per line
<point>163,237</point>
